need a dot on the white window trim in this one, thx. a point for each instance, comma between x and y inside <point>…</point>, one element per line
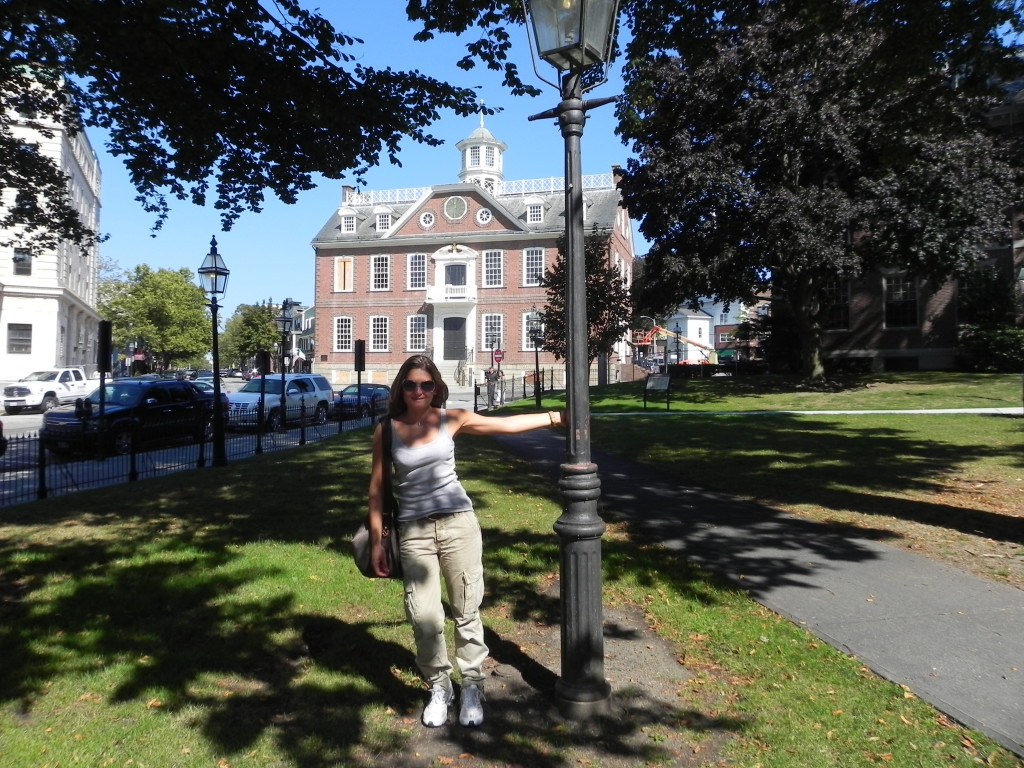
<point>409,331</point>
<point>409,272</point>
<point>375,260</point>
<point>543,265</point>
<point>485,336</point>
<point>501,269</point>
<point>337,335</point>
<point>372,345</point>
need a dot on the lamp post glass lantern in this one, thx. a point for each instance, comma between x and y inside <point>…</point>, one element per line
<point>213,277</point>
<point>572,36</point>
<point>284,325</point>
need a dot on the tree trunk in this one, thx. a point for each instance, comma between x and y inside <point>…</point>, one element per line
<point>807,311</point>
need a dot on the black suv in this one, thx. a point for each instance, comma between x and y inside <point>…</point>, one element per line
<point>135,412</point>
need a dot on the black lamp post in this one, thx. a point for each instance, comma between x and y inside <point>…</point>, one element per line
<point>536,331</point>
<point>1020,284</point>
<point>213,275</point>
<point>572,36</point>
<point>284,325</point>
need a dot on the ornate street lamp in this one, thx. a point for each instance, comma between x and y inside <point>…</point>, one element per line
<point>1020,285</point>
<point>213,276</point>
<point>572,36</point>
<point>284,325</point>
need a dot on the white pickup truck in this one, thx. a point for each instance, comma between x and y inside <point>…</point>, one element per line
<point>47,389</point>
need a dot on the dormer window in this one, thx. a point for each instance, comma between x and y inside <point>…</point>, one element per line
<point>348,223</point>
<point>383,222</point>
<point>535,213</point>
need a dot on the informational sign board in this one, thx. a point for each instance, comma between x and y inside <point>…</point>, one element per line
<point>658,382</point>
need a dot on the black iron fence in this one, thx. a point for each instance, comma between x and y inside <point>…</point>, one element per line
<point>29,470</point>
<point>507,389</point>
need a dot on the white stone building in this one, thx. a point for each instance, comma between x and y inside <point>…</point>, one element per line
<point>48,298</point>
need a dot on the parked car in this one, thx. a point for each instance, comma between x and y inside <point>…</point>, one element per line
<point>206,387</point>
<point>362,400</point>
<point>306,394</point>
<point>136,412</point>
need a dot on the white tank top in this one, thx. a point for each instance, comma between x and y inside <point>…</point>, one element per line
<point>425,479</point>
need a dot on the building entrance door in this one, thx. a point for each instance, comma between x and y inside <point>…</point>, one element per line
<point>454,338</point>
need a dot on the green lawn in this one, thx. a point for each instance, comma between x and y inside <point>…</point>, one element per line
<point>214,618</point>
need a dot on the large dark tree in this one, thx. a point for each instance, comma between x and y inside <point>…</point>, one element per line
<point>205,100</point>
<point>164,309</point>
<point>785,145</point>
<point>248,331</point>
<point>608,303</point>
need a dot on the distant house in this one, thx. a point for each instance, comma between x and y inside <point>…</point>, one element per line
<point>451,271</point>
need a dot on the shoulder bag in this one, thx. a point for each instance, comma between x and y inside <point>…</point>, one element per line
<point>389,532</point>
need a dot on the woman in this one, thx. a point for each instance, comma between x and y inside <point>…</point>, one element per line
<point>438,531</point>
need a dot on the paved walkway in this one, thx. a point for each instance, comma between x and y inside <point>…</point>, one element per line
<point>955,640</point>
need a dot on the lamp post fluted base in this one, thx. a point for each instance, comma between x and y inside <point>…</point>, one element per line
<point>581,691</point>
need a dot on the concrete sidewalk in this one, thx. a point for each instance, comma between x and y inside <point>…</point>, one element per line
<point>955,640</point>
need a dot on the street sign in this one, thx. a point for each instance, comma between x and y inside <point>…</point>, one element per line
<point>499,355</point>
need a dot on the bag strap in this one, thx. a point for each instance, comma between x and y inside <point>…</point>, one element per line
<point>389,496</point>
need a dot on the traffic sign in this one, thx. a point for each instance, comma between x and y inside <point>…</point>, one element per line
<point>499,355</point>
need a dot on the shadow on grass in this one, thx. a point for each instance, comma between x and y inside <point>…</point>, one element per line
<point>814,461</point>
<point>148,588</point>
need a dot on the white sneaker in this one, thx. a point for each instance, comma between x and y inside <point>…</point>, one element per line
<point>435,714</point>
<point>471,711</point>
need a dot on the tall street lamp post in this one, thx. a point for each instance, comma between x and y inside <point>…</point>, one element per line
<point>213,275</point>
<point>284,325</point>
<point>1020,285</point>
<point>536,331</point>
<point>573,36</point>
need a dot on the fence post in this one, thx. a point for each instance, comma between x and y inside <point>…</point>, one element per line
<point>41,489</point>
<point>133,469</point>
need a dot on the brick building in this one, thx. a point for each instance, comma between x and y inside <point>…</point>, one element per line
<point>450,270</point>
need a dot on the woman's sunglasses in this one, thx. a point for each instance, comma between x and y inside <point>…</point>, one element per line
<point>412,386</point>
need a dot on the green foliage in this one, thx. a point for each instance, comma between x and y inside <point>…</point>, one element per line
<point>789,144</point>
<point>608,301</point>
<point>991,350</point>
<point>986,298</point>
<point>201,95</point>
<point>165,308</point>
<point>248,331</point>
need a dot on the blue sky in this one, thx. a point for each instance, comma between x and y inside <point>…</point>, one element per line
<point>269,253</point>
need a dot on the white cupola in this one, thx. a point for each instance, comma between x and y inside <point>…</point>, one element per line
<point>482,159</point>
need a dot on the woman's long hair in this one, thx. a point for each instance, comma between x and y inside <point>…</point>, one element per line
<point>397,401</point>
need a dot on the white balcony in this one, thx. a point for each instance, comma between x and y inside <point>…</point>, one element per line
<point>451,294</point>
